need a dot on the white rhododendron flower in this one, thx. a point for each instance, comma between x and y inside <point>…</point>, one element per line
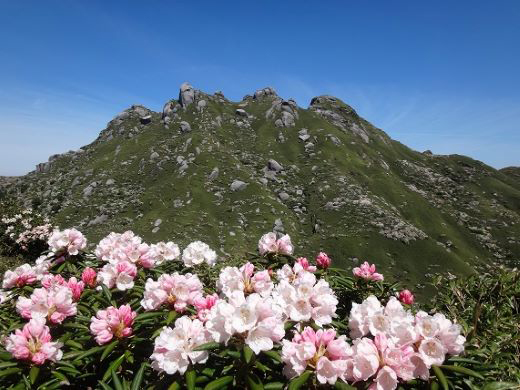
<point>305,299</point>
<point>174,348</point>
<point>164,251</point>
<point>175,290</point>
<point>245,280</point>
<point>197,253</point>
<point>259,319</point>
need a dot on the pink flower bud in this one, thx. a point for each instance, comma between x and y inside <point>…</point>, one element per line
<point>323,260</point>
<point>89,277</point>
<point>406,297</point>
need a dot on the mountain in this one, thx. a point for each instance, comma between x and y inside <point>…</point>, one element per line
<point>226,172</point>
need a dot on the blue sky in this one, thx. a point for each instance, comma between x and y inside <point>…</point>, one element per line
<point>441,75</point>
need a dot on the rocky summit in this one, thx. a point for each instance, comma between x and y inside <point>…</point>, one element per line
<point>226,172</point>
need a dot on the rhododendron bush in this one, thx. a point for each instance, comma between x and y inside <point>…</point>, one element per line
<point>131,315</point>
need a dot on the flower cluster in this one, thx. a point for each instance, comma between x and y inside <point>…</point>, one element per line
<point>70,241</point>
<point>270,243</point>
<point>291,307</point>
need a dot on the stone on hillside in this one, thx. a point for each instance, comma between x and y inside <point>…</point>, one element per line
<point>98,220</point>
<point>154,156</point>
<point>238,185</point>
<point>140,110</point>
<point>169,109</point>
<point>186,95</point>
<point>145,119</point>
<point>214,174</point>
<point>110,182</point>
<point>264,92</point>
<point>273,165</point>
<point>287,119</point>
<point>157,222</point>
<point>241,112</point>
<point>278,123</point>
<point>185,127</point>
<point>88,191</point>
<point>123,115</point>
<point>303,135</point>
<point>43,167</point>
<point>278,226</point>
<point>201,105</point>
<point>283,196</point>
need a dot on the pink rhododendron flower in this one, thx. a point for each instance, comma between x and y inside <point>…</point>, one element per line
<point>174,290</point>
<point>54,304</point>
<point>367,272</point>
<point>245,280</point>
<point>112,322</point>
<point>49,281</point>
<point>19,277</point>
<point>406,297</point>
<point>116,248</point>
<point>203,306</point>
<point>174,348</point>
<point>120,275</point>
<point>318,350</point>
<point>76,287</point>
<point>303,264</point>
<point>323,260</point>
<point>71,241</point>
<point>89,277</point>
<point>164,251</point>
<point>270,244</point>
<point>33,343</point>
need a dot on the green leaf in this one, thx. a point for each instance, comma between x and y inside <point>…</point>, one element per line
<point>74,344</point>
<point>208,346</point>
<point>500,386</point>
<point>109,348</point>
<point>107,292</point>
<point>104,385</point>
<point>148,315</point>
<point>174,386</point>
<point>434,385</point>
<point>298,382</point>
<point>190,376</point>
<point>172,315</point>
<point>62,378</point>
<point>9,371</point>
<point>33,374</point>
<point>219,383</point>
<point>115,381</point>
<point>91,351</point>
<point>254,382</point>
<point>248,354</point>
<point>113,366</point>
<point>273,355</point>
<point>289,324</point>
<point>440,376</point>
<point>136,383</point>
<point>462,370</point>
<point>8,364</point>
<point>340,385</point>
<point>273,386</point>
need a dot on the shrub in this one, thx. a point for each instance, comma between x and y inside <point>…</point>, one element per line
<point>133,315</point>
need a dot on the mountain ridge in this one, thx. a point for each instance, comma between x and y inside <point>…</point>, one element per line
<point>226,172</point>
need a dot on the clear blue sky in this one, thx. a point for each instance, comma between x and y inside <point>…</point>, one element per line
<point>439,75</point>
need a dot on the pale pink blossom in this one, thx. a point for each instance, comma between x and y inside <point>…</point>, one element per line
<point>197,253</point>
<point>112,322</point>
<point>116,248</point>
<point>368,272</point>
<point>323,260</point>
<point>174,348</point>
<point>175,290</point>
<point>33,343</point>
<point>204,305</point>
<point>245,280</point>
<point>70,241</point>
<point>306,298</point>
<point>318,350</point>
<point>406,297</point>
<point>269,243</point>
<point>120,275</point>
<point>89,277</point>
<point>53,304</point>
<point>258,320</point>
<point>50,281</point>
<point>164,251</point>
<point>19,277</point>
